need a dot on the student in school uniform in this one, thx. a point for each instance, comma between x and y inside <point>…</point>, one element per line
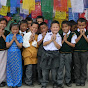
<point>43,29</point>
<point>50,57</point>
<point>81,53</point>
<point>68,42</point>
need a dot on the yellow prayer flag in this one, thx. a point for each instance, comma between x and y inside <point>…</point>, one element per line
<point>60,15</point>
<point>4,10</point>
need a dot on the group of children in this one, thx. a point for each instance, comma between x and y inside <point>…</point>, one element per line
<point>43,53</point>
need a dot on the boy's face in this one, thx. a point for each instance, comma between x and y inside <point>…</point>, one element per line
<point>55,28</point>
<point>39,20</point>
<point>34,28</point>
<point>23,27</point>
<point>81,25</point>
<point>15,30</point>
<point>3,23</point>
<point>43,28</point>
<point>65,28</point>
<point>29,24</point>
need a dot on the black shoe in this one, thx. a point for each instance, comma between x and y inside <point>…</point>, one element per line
<point>31,85</point>
<point>78,84</point>
<point>82,84</point>
<point>43,87</point>
<point>68,84</point>
<point>2,84</point>
<point>54,86</point>
<point>60,86</point>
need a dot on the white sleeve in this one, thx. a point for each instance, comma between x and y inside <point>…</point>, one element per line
<point>39,37</point>
<point>47,38</point>
<point>34,43</point>
<point>87,36</point>
<point>74,38</point>
<point>59,40</point>
<point>26,39</point>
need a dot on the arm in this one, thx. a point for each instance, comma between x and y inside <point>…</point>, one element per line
<point>70,44</point>
<point>46,43</point>
<point>40,41</point>
<point>78,38</point>
<point>8,44</point>
<point>18,44</point>
<point>85,37</point>
<point>57,45</point>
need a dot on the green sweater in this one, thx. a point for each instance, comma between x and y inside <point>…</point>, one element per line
<point>82,44</point>
<point>65,47</point>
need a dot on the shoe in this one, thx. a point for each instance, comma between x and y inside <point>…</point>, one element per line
<point>60,86</point>
<point>78,84</point>
<point>68,84</point>
<point>2,84</point>
<point>82,84</point>
<point>54,86</point>
<point>31,85</point>
<point>43,87</point>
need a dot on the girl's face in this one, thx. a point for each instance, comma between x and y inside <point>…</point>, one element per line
<point>34,28</point>
<point>15,30</point>
<point>3,23</point>
<point>23,27</point>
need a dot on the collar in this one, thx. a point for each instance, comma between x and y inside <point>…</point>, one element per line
<point>57,35</point>
<point>22,32</point>
<point>79,29</point>
<point>67,33</point>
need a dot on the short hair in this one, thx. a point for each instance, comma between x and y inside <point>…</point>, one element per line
<point>35,23</point>
<point>72,22</point>
<point>23,21</point>
<point>43,23</point>
<point>81,20</point>
<point>65,22</point>
<point>29,19</point>
<point>38,17</point>
<point>3,19</point>
<point>14,24</point>
<point>54,21</point>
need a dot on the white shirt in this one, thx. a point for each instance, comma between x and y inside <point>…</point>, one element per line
<point>39,37</point>
<point>26,39</point>
<point>84,30</point>
<point>52,46</point>
<point>73,38</point>
<point>22,32</point>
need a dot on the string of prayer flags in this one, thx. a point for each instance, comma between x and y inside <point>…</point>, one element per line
<point>8,3</point>
<point>73,16</point>
<point>37,10</point>
<point>37,0</point>
<point>3,2</point>
<point>60,5</point>
<point>77,6</point>
<point>4,10</point>
<point>60,15</point>
<point>86,3</point>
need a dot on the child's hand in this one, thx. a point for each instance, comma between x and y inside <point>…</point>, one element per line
<point>53,38</point>
<point>32,37</point>
<point>65,38</point>
<point>14,37</point>
<point>22,34</point>
<point>83,32</point>
<point>43,34</point>
<point>1,32</point>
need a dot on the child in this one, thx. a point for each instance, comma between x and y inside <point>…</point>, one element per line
<point>29,21</point>
<point>14,60</point>
<point>73,25</point>
<point>81,53</point>
<point>30,52</point>
<point>50,56</point>
<point>3,51</point>
<point>23,27</point>
<point>43,29</point>
<point>40,19</point>
<point>68,41</point>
